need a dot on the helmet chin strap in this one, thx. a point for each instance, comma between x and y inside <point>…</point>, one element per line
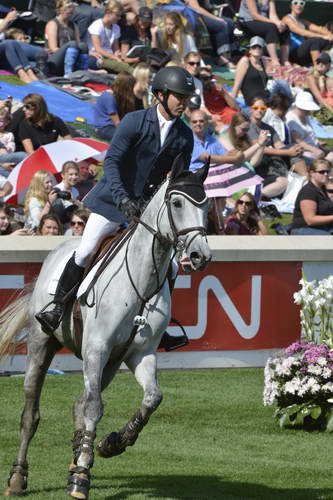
<point>164,103</point>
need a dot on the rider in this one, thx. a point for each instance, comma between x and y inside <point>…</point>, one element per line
<point>140,155</point>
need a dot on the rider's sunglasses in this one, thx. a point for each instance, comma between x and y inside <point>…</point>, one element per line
<point>259,108</point>
<point>193,63</point>
<point>329,190</point>
<point>243,202</point>
<point>301,3</point>
<point>322,172</point>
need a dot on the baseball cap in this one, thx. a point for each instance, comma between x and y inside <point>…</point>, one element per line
<point>257,40</point>
<point>145,13</point>
<point>305,101</point>
<point>323,58</point>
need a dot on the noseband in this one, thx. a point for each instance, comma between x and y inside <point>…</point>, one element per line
<point>175,241</point>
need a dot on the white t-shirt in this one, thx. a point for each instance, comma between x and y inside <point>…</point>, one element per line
<point>35,208</point>
<point>300,130</point>
<point>106,35</point>
<point>74,192</point>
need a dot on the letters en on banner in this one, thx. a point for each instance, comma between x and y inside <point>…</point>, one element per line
<point>229,306</point>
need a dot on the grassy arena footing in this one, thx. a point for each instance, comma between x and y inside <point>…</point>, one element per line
<point>211,438</point>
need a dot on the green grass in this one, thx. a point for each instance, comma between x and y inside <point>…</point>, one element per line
<point>211,438</point>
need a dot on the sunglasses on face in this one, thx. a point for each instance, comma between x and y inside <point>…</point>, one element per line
<point>193,63</point>
<point>259,108</point>
<point>298,2</point>
<point>322,172</point>
<point>246,203</point>
<point>29,106</point>
<point>256,47</point>
<point>329,190</point>
<point>77,222</point>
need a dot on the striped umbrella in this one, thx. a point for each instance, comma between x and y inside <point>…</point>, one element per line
<point>51,158</point>
<point>225,180</point>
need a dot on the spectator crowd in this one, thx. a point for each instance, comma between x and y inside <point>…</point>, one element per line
<point>260,82</point>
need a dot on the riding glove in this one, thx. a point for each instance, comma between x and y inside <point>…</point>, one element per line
<point>130,208</point>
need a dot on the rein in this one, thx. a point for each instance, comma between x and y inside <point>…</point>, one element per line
<point>178,244</point>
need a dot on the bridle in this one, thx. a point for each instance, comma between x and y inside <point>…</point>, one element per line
<point>178,244</point>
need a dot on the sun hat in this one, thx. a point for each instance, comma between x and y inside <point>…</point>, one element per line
<point>257,40</point>
<point>145,14</point>
<point>323,58</point>
<point>305,101</point>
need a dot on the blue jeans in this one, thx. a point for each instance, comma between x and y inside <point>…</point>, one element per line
<point>12,56</point>
<point>31,51</point>
<point>309,231</point>
<point>221,35</point>
<point>16,158</point>
<point>106,133</point>
<point>56,60</point>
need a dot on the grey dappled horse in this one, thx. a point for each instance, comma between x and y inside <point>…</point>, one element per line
<point>134,283</point>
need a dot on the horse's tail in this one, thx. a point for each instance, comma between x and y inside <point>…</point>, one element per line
<point>13,319</point>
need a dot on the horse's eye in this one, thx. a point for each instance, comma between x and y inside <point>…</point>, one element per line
<point>177,203</point>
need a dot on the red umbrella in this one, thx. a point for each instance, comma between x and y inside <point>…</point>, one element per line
<point>51,158</point>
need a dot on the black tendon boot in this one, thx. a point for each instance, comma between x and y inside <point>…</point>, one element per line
<point>171,342</point>
<point>66,290</point>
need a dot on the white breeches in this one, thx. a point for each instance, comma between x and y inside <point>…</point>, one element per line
<point>96,228</point>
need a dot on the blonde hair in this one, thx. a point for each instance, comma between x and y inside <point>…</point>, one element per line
<point>37,189</point>
<point>63,4</point>
<point>141,73</point>
<point>113,5</point>
<point>178,35</point>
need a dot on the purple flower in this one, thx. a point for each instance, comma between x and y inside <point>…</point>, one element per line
<point>314,352</point>
<point>295,347</point>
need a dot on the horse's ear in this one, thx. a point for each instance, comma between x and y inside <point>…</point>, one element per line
<point>203,171</point>
<point>178,167</point>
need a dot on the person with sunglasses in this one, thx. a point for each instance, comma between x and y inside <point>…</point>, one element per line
<point>219,103</point>
<point>313,213</point>
<point>274,164</point>
<point>245,218</point>
<point>307,40</point>
<point>39,126</point>
<point>251,77</point>
<point>259,17</point>
<point>317,83</point>
<point>66,51</point>
<point>78,222</point>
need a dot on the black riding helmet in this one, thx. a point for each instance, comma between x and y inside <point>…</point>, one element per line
<point>172,79</point>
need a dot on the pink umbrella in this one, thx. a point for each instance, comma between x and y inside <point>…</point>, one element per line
<point>51,157</point>
<point>225,180</point>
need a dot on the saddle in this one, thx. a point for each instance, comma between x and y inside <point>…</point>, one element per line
<point>105,250</point>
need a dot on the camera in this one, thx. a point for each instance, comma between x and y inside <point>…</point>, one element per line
<point>64,195</point>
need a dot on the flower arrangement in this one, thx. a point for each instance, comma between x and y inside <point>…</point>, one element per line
<point>299,380</point>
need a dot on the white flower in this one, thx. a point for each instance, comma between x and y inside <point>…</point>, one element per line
<point>313,386</point>
<point>322,361</point>
<point>290,387</point>
<point>328,387</point>
<point>326,373</point>
<point>314,369</point>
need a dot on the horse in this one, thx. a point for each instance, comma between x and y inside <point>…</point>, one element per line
<point>125,322</point>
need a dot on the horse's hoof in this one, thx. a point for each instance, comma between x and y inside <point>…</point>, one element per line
<point>10,493</point>
<point>78,485</point>
<point>17,485</point>
<point>109,447</point>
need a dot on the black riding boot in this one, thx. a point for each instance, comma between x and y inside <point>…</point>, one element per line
<point>170,342</point>
<point>66,290</point>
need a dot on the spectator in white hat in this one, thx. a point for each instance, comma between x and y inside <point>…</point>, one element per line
<point>301,130</point>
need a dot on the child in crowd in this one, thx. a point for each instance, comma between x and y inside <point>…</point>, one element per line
<point>8,157</point>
